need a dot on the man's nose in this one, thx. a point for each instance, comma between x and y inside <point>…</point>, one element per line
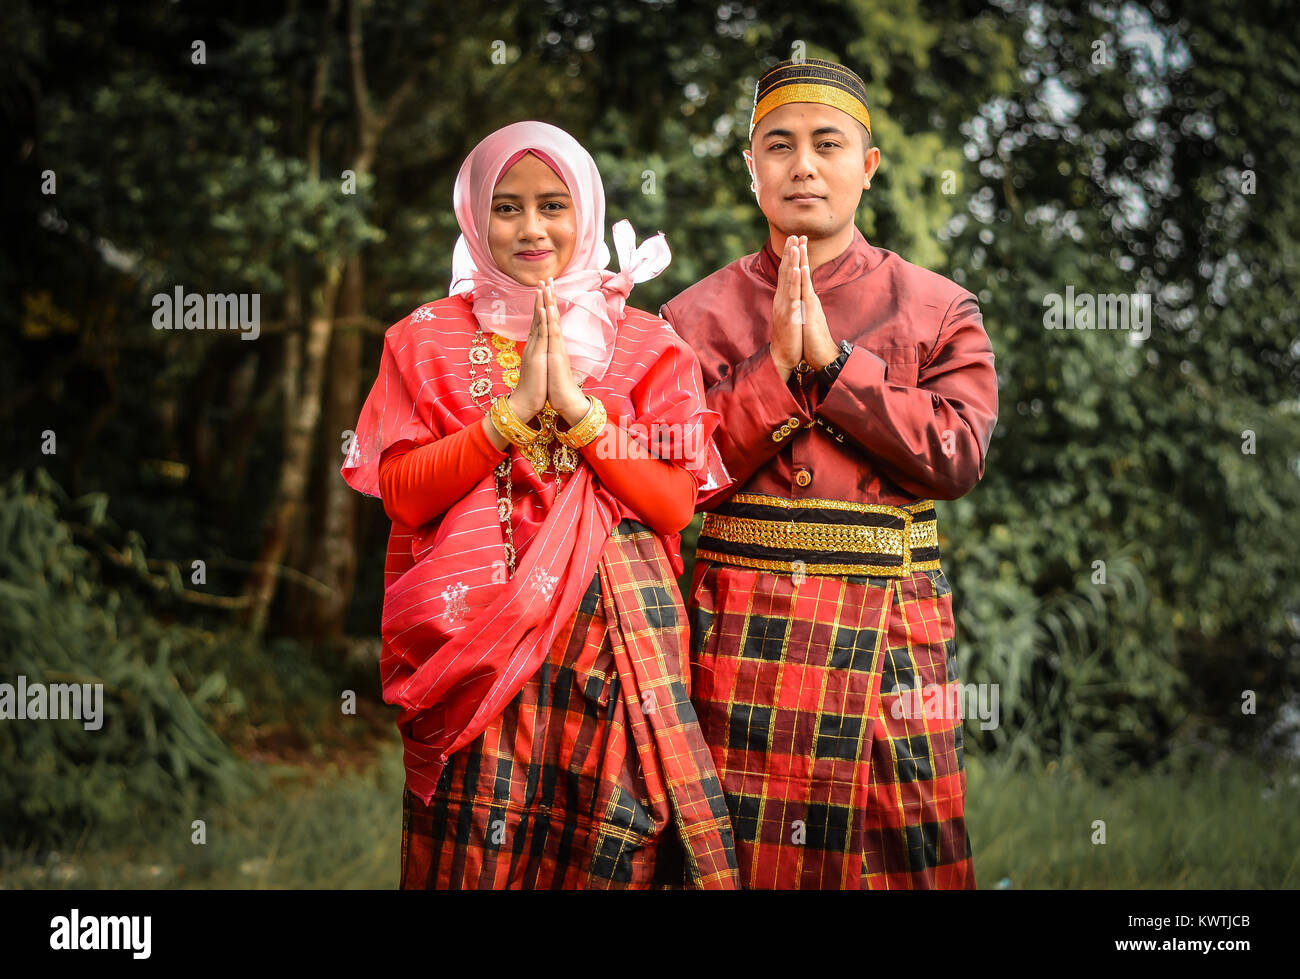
<point>804,165</point>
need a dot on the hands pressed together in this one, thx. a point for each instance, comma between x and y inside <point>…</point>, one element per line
<point>799,329</point>
<point>544,371</point>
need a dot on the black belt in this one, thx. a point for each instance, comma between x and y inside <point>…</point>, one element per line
<point>830,537</point>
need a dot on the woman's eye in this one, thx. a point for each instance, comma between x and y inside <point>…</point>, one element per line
<point>557,205</point>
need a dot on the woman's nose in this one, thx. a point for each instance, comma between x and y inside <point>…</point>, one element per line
<point>533,227</point>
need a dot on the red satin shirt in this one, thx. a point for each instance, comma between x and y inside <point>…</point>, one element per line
<point>910,415</point>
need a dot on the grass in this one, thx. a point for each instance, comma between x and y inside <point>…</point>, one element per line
<point>318,825</point>
<point>1229,826</point>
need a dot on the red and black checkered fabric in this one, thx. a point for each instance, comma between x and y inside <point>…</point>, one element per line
<point>829,782</point>
<point>596,775</point>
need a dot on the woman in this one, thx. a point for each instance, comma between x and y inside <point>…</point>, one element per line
<point>539,446</point>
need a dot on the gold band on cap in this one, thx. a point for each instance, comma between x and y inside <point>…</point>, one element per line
<point>811,92</point>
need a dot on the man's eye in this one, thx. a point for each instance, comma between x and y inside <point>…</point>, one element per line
<point>830,143</point>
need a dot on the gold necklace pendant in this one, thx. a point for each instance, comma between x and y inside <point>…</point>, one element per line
<point>565,459</point>
<point>539,453</point>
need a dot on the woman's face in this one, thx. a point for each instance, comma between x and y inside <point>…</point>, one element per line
<point>533,225</point>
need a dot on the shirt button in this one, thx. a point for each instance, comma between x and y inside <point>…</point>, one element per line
<point>802,476</point>
<point>793,423</point>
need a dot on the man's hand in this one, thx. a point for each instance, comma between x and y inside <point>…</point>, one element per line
<point>787,329</point>
<point>819,347</point>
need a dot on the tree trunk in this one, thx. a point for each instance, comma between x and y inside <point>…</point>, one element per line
<point>337,563</point>
<point>303,413</point>
<point>332,543</point>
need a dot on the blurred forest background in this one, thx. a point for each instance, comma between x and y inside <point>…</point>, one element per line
<point>1126,571</point>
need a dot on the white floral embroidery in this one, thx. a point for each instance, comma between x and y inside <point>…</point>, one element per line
<point>544,583</point>
<point>424,313</point>
<point>455,599</point>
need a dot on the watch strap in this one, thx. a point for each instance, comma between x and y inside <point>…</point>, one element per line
<point>832,370</point>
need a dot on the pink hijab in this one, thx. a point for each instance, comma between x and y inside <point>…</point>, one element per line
<point>591,298</point>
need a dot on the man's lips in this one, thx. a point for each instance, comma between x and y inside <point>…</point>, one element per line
<point>804,197</point>
<point>533,256</point>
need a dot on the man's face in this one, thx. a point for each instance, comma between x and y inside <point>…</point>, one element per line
<point>809,168</point>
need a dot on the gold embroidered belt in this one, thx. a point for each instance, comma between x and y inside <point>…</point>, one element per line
<point>821,537</point>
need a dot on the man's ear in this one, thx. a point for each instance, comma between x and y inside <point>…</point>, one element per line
<point>870,163</point>
<point>749,164</point>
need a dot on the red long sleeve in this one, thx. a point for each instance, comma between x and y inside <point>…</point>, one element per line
<point>660,493</point>
<point>416,485</point>
<point>930,434</point>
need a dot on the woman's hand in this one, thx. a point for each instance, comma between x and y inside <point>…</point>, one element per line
<point>530,393</point>
<point>562,390</point>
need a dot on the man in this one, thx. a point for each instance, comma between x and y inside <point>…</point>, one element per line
<point>855,389</point>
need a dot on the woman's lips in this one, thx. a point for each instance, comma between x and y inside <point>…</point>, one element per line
<point>533,256</point>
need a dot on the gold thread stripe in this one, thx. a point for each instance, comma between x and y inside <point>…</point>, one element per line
<point>762,499</point>
<point>836,569</point>
<point>850,539</point>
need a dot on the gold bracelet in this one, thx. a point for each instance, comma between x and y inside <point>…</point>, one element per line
<point>585,432</point>
<point>508,425</point>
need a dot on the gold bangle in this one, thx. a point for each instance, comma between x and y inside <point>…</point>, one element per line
<point>508,425</point>
<point>585,432</point>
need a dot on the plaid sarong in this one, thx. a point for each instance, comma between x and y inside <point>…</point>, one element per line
<point>596,774</point>
<point>830,782</point>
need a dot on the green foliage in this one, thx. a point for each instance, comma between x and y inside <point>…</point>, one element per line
<point>1117,166</point>
<point>157,754</point>
<point>1077,675</point>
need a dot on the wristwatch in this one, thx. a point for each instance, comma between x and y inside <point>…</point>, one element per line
<point>832,370</point>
